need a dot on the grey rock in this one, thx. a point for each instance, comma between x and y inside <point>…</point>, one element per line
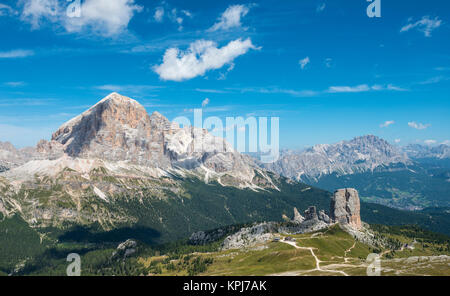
<point>361,154</point>
<point>324,217</point>
<point>297,217</point>
<point>125,249</point>
<point>250,236</point>
<point>417,151</point>
<point>345,208</point>
<point>311,213</point>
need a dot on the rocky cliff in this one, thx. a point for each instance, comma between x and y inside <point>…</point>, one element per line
<point>345,208</point>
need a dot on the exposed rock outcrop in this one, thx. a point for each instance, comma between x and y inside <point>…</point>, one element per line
<point>250,236</point>
<point>297,217</point>
<point>125,249</point>
<point>310,222</point>
<point>324,217</point>
<point>345,208</point>
<point>311,213</point>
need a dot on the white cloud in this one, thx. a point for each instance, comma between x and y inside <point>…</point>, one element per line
<point>328,62</point>
<point>430,142</point>
<point>363,88</point>
<point>6,10</point>
<point>321,7</point>
<point>397,141</point>
<point>37,11</point>
<point>129,88</point>
<point>165,11</point>
<point>424,25</point>
<point>187,13</point>
<point>200,57</point>
<point>231,18</point>
<point>276,90</point>
<point>14,83</point>
<point>434,80</point>
<point>446,142</point>
<point>304,62</point>
<point>159,14</point>
<point>103,17</point>
<point>16,53</point>
<point>349,89</point>
<point>213,91</point>
<point>205,103</point>
<point>419,126</point>
<point>387,123</point>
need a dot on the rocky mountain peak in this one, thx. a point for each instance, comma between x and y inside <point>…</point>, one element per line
<point>365,153</point>
<point>116,128</point>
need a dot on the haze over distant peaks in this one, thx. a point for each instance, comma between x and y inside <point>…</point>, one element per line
<point>346,157</point>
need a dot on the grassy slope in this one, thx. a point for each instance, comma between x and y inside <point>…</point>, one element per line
<point>336,250</point>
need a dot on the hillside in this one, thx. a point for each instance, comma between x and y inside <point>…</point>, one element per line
<point>331,251</point>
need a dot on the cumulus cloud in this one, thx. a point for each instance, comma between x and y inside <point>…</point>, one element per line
<point>430,142</point>
<point>387,123</point>
<point>165,11</point>
<point>16,53</point>
<point>397,141</point>
<point>419,126</point>
<point>37,11</point>
<point>426,25</point>
<point>231,18</point>
<point>103,17</point>
<point>200,57</point>
<point>159,14</point>
<point>205,103</point>
<point>304,62</point>
<point>106,17</point>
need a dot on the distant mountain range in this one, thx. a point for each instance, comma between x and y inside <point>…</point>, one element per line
<point>408,177</point>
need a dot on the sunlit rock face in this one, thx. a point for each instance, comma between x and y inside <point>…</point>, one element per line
<point>345,208</point>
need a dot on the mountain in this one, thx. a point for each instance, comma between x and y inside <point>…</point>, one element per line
<point>417,151</point>
<point>11,157</point>
<point>116,167</point>
<point>115,172</point>
<point>413,177</point>
<point>361,154</point>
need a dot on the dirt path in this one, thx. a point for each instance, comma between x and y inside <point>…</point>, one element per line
<point>318,268</point>
<point>345,254</point>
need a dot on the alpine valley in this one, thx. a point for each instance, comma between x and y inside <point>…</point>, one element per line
<point>126,189</point>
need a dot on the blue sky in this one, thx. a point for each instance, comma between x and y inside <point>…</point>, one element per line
<point>326,69</point>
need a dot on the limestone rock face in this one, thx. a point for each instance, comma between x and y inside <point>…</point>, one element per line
<point>10,157</point>
<point>345,208</point>
<point>324,217</point>
<point>116,128</point>
<point>311,214</point>
<point>297,217</point>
